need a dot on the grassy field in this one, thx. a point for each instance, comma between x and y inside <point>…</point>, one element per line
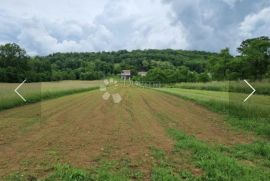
<point>149,135</point>
<point>262,87</point>
<point>252,115</point>
<point>34,92</point>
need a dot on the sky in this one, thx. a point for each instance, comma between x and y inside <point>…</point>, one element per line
<point>43,27</point>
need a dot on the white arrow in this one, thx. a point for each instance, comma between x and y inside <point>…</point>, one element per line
<point>251,92</point>
<point>16,91</point>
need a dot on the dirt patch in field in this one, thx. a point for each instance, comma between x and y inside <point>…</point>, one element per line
<point>192,119</point>
<point>82,129</point>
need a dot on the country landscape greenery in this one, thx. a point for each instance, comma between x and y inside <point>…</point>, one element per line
<point>193,126</point>
<point>165,66</point>
<point>135,90</point>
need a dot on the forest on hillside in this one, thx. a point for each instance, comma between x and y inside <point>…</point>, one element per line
<point>253,62</point>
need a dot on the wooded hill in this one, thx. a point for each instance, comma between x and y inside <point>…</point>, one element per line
<point>162,65</point>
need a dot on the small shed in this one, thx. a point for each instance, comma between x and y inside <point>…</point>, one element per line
<point>125,74</point>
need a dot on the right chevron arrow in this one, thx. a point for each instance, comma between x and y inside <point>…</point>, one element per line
<point>251,92</point>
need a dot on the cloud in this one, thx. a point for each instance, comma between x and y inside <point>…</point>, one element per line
<point>120,25</point>
<point>44,27</point>
<point>213,25</point>
<point>133,25</point>
<point>231,3</point>
<point>8,28</point>
<point>77,10</point>
<point>257,24</point>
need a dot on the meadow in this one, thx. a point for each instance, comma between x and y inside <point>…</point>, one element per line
<point>34,92</point>
<point>262,87</point>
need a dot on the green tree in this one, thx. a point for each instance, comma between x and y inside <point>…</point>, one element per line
<point>13,61</point>
<point>219,65</point>
<point>156,75</point>
<point>255,53</point>
<point>203,77</point>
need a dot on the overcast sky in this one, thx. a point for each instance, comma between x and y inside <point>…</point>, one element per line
<point>47,26</point>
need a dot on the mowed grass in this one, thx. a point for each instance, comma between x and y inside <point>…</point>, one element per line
<point>262,87</point>
<point>252,115</point>
<point>34,92</point>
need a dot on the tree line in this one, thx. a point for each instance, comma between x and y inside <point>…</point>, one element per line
<point>253,62</point>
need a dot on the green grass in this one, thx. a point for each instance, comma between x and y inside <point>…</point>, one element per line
<point>61,172</point>
<point>215,164</point>
<point>257,153</point>
<point>34,92</point>
<point>105,171</point>
<point>162,169</point>
<point>262,87</point>
<point>252,115</point>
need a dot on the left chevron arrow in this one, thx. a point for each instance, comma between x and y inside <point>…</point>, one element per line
<point>16,91</point>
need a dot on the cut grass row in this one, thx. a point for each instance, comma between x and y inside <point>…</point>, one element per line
<point>252,115</point>
<point>262,87</point>
<point>35,92</point>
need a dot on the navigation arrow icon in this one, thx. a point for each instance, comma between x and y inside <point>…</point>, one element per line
<point>251,92</point>
<point>16,91</point>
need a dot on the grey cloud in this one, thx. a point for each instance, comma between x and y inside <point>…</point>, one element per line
<point>212,25</point>
<point>129,24</point>
<point>8,28</point>
<point>121,25</point>
<point>256,24</point>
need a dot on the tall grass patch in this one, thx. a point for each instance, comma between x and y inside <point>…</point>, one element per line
<point>262,87</point>
<point>34,92</point>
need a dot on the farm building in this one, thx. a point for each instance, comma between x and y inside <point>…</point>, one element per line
<point>125,74</point>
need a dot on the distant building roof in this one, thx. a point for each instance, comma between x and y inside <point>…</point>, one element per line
<point>126,72</point>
